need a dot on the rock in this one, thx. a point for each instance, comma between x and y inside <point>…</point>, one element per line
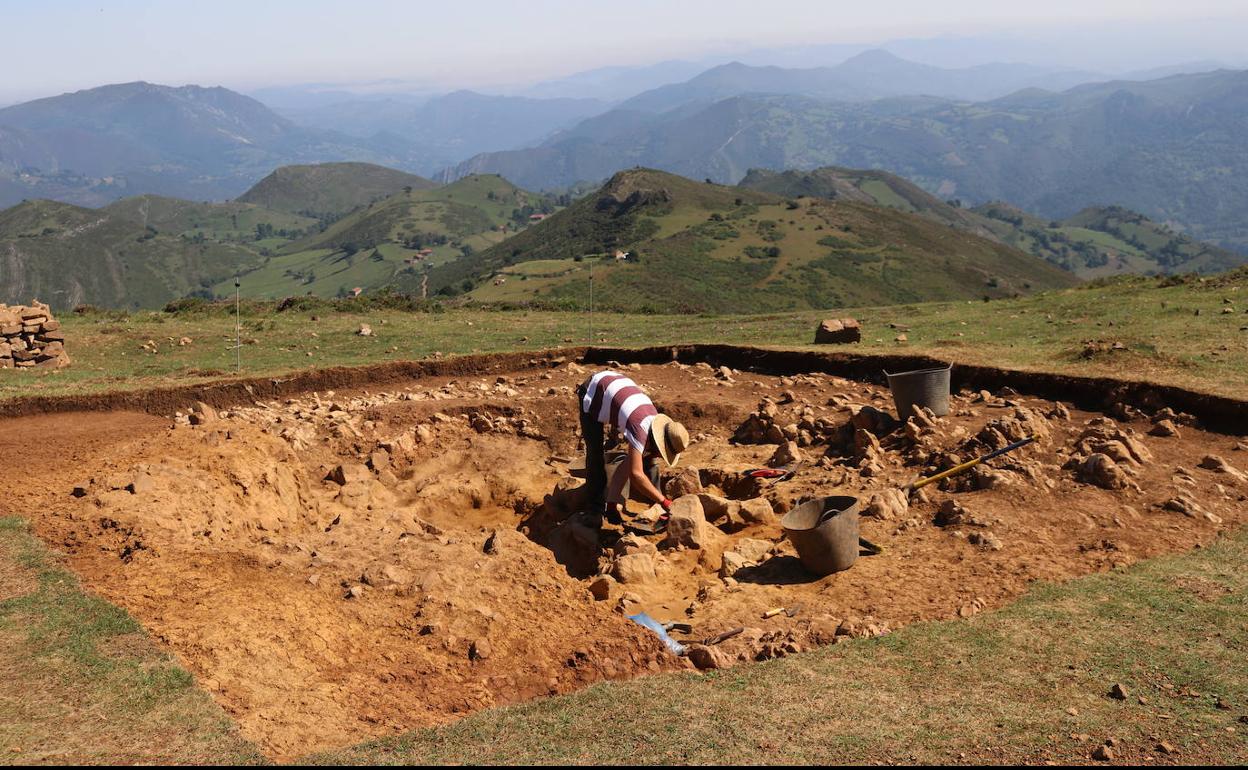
<point>687,526</point>
<point>836,331</point>
<point>634,568</point>
<point>866,444</point>
<point>901,338</point>
<point>142,484</point>
<point>1118,691</point>
<point>950,513</point>
<point>365,330</point>
<point>349,473</point>
<point>715,507</point>
<point>1103,754</point>
<point>1185,505</point>
<point>707,658</point>
<point>1166,748</point>
<point>479,649</point>
<point>354,592</point>
<point>379,460</point>
<point>985,540</point>
<point>876,421</point>
<point>202,414</point>
<point>1100,470</point>
<point>490,547</point>
<point>1164,428</point>
<point>887,504</point>
<point>1220,465</point>
<point>753,550</point>
<point>631,543</point>
<point>787,453</point>
<point>386,576</point>
<point>731,562</point>
<point>600,587</point>
<point>757,510</point>
<point>686,481</point>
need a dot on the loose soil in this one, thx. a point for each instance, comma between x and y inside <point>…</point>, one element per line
<point>449,573</point>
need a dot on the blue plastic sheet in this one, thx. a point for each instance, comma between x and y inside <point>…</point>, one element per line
<point>642,619</point>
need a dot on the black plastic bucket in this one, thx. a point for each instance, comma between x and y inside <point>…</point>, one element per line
<point>825,533</point>
<point>922,387</point>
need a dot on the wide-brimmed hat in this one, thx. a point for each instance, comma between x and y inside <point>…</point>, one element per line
<point>670,437</point>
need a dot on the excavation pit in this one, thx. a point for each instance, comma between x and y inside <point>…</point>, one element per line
<point>336,566</point>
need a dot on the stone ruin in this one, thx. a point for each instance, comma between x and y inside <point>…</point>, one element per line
<point>31,337</point>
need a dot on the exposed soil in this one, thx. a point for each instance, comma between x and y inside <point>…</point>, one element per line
<point>440,570</point>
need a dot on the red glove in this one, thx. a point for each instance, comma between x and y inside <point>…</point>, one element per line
<point>667,505</point>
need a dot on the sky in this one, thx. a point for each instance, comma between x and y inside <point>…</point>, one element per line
<point>53,46</point>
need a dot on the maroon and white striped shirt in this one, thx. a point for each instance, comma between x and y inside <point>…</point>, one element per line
<point>613,399</point>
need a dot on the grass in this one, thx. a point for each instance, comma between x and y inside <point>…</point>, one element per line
<point>82,682</point>
<point>992,689</point>
<point>1165,341</point>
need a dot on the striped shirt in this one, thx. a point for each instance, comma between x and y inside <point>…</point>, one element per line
<point>613,399</point>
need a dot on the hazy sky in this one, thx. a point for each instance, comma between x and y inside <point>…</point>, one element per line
<point>51,46</point>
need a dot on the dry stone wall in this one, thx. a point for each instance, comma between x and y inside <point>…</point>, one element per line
<point>30,337</point>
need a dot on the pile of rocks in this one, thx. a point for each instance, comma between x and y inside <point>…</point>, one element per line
<point>30,336</point>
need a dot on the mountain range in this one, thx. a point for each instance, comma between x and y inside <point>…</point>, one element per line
<point>1173,149</point>
<point>92,147</point>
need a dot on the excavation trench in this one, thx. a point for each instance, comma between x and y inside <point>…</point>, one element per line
<point>336,566</point>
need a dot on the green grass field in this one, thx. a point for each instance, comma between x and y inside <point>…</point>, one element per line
<point>1165,341</point>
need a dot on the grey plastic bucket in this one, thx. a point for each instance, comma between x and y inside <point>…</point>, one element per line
<point>825,533</point>
<point>922,387</point>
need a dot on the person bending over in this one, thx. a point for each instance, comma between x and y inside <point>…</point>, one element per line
<point>610,399</point>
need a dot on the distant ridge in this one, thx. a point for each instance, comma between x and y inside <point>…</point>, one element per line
<point>330,188</point>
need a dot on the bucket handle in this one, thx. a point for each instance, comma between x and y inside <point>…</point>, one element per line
<point>887,373</point>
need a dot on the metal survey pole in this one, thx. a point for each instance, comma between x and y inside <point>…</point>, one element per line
<point>591,302</point>
<point>238,326</point>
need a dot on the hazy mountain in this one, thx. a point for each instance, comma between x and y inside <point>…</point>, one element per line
<point>450,127</point>
<point>873,74</point>
<point>104,143</point>
<point>1172,149</point>
<point>615,83</point>
<point>696,247</point>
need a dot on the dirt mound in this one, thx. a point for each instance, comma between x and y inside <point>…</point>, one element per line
<point>342,565</point>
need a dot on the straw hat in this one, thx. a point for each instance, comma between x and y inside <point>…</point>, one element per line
<point>670,437</point>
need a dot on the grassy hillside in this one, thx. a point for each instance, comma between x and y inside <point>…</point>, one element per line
<point>65,255</point>
<point>1096,242</point>
<point>381,243</point>
<point>1106,240</point>
<point>704,247</point>
<point>329,188</point>
<point>213,221</point>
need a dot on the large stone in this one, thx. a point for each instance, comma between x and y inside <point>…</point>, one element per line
<point>349,473</point>
<point>687,526</point>
<point>731,562</point>
<point>838,331</point>
<point>684,482</point>
<point>757,510</point>
<point>887,504</point>
<point>787,453</point>
<point>1220,465</point>
<point>876,421</point>
<point>707,658</point>
<point>753,550</point>
<point>1101,470</point>
<point>634,568</point>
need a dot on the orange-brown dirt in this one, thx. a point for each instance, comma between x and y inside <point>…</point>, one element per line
<point>439,570</point>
